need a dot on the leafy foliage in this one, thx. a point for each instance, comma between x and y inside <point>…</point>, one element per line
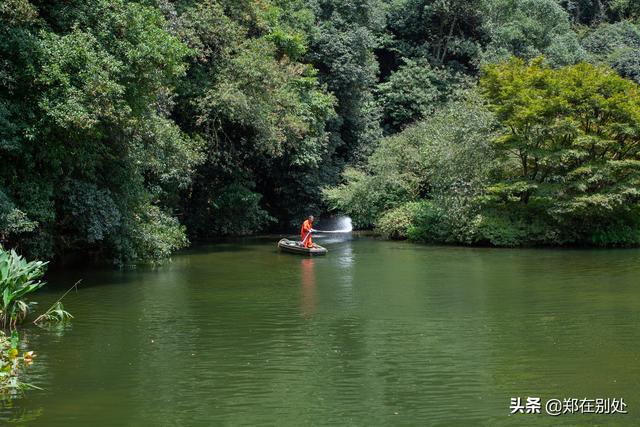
<point>12,365</point>
<point>528,29</point>
<point>395,223</point>
<point>623,9</point>
<point>445,32</point>
<point>563,169</point>
<point>390,177</point>
<point>91,147</point>
<point>616,45</point>
<point>444,159</point>
<point>592,12</point>
<point>342,49</point>
<point>415,91</point>
<point>569,152</point>
<point>55,314</point>
<point>18,278</point>
<point>259,112</point>
<point>129,127</point>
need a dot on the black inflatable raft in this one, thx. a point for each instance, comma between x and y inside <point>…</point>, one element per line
<point>294,247</point>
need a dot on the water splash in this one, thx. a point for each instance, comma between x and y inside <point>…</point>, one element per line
<point>343,225</point>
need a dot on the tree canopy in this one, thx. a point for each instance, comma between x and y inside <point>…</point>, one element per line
<point>129,128</point>
<point>570,152</point>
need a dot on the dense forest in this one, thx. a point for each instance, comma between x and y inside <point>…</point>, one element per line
<point>129,128</point>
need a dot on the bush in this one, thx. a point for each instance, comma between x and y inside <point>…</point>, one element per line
<point>428,224</point>
<point>444,159</point>
<point>391,177</point>
<point>231,210</point>
<point>619,233</point>
<point>427,221</point>
<point>500,230</point>
<point>366,196</point>
<point>13,221</point>
<point>151,235</point>
<point>395,223</point>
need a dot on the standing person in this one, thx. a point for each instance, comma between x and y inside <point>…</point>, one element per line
<point>305,232</point>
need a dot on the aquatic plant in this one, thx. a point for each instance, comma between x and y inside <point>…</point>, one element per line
<point>56,313</point>
<point>18,278</point>
<point>12,365</point>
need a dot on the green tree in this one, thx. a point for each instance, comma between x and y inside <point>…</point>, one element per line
<point>594,12</point>
<point>445,32</point>
<point>527,29</point>
<point>259,111</point>
<point>92,158</point>
<point>415,91</point>
<point>342,47</point>
<point>623,9</point>
<point>616,45</point>
<point>585,11</point>
<point>569,155</point>
<point>443,160</point>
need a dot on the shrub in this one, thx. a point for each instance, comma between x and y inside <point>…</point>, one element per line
<point>428,224</point>
<point>445,159</point>
<point>151,235</point>
<point>395,223</point>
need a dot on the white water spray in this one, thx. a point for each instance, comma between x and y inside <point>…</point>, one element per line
<point>344,226</point>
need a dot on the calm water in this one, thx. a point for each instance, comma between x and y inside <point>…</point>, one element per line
<point>375,333</point>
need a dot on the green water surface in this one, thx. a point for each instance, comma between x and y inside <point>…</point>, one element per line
<point>375,333</point>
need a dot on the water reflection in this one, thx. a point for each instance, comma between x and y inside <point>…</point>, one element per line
<point>395,334</point>
<point>332,239</point>
<point>346,258</point>
<point>344,276</point>
<point>309,298</point>
<point>22,416</point>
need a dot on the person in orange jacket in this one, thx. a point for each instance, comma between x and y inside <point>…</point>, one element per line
<point>305,232</point>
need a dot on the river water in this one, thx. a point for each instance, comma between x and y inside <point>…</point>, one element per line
<point>375,333</point>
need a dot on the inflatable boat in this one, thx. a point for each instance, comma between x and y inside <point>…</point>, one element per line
<point>294,247</point>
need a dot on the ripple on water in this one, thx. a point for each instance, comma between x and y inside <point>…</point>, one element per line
<point>375,333</point>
